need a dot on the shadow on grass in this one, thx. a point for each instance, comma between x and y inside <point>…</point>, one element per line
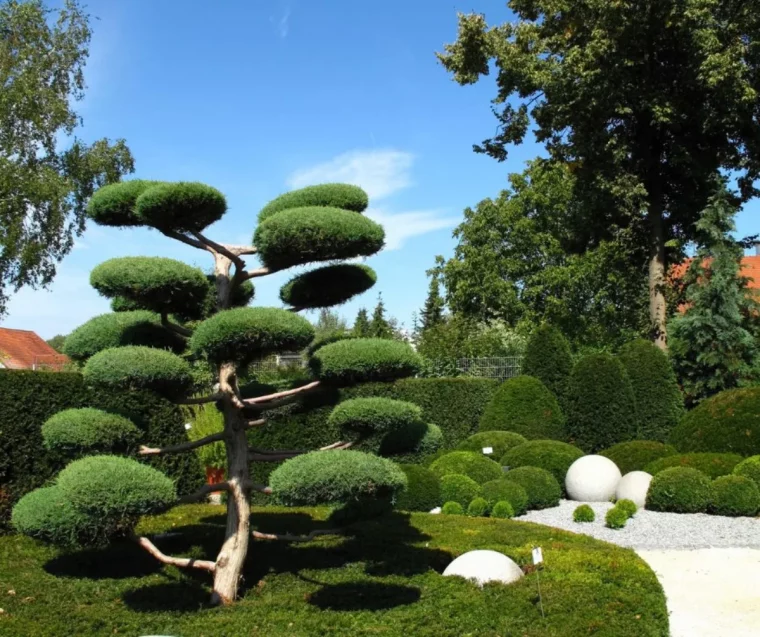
<point>182,596</point>
<point>118,561</point>
<point>363,596</point>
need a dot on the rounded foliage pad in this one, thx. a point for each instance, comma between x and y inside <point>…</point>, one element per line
<point>679,490</point>
<point>88,430</point>
<point>374,415</point>
<point>305,235</point>
<point>541,486</point>
<point>459,488</point>
<point>712,465</point>
<point>452,508</point>
<point>418,437</point>
<point>637,454</point>
<point>328,286</point>
<point>499,441</point>
<point>477,508</point>
<point>245,333</point>
<point>335,477</point>
<point>749,468</point>
<point>118,329</point>
<point>503,510</point>
<point>363,360</point>
<point>552,455</point>
<point>734,496</point>
<point>502,489</point>
<point>468,463</point>
<point>153,283</point>
<point>343,196</point>
<point>114,205</point>
<point>423,490</point>
<point>120,304</point>
<point>183,206</point>
<point>133,368</point>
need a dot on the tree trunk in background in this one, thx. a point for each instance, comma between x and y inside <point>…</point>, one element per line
<point>657,304</point>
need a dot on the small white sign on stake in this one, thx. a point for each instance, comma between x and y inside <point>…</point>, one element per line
<point>488,450</point>
<point>538,557</point>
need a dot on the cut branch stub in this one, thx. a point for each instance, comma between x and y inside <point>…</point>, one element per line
<point>327,286</point>
<point>343,196</point>
<point>363,360</point>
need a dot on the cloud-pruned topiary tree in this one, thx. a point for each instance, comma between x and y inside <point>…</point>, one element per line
<point>166,313</point>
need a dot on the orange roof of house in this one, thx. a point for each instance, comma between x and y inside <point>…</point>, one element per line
<point>750,269</point>
<point>22,349</point>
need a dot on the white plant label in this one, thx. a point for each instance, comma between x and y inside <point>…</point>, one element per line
<point>488,450</point>
<point>188,426</point>
<point>538,557</point>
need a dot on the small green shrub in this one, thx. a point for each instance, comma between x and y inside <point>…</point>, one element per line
<point>541,486</point>
<point>476,466</point>
<point>423,489</point>
<point>502,489</point>
<point>637,454</point>
<point>629,506</point>
<point>364,360</point>
<point>73,432</point>
<point>182,206</point>
<point>477,508</point>
<point>728,422</point>
<point>679,490</point>
<point>343,196</point>
<point>503,510</point>
<point>584,513</point>
<point>548,358</point>
<point>499,441</point>
<point>374,415</point>
<point>749,468</point>
<point>616,518</point>
<point>327,286</point>
<point>734,496</point>
<point>552,455</point>
<point>525,406</point>
<point>452,508</point>
<point>459,488</point>
<point>207,420</point>
<point>713,465</point>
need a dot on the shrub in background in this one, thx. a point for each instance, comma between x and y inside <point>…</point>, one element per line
<point>548,358</point>
<point>712,465</point>
<point>679,490</point>
<point>525,406</point>
<point>552,455</point>
<point>541,486</point>
<point>459,488</point>
<point>477,508</point>
<point>659,401</point>
<point>499,441</point>
<point>452,508</point>
<point>749,468</point>
<point>505,490</point>
<point>728,422</point>
<point>474,465</point>
<point>629,506</point>
<point>502,509</point>
<point>584,513</point>
<point>206,420</point>
<point>423,489</point>
<point>637,454</point>
<point>616,518</point>
<point>74,432</point>
<point>734,496</point>
<point>601,407</point>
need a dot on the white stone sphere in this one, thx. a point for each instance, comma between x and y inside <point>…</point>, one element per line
<point>592,479</point>
<point>435,511</point>
<point>484,566</point>
<point>634,486</point>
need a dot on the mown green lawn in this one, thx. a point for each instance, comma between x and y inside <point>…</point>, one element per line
<point>382,578</point>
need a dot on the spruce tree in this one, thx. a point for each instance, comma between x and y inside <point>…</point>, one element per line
<point>432,312</point>
<point>379,326</point>
<point>361,324</point>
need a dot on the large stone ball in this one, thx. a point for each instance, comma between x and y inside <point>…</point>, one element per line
<point>485,566</point>
<point>634,486</point>
<point>592,479</point>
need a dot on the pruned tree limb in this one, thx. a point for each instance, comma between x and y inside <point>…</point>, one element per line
<point>240,250</point>
<point>287,537</point>
<point>203,492</point>
<point>262,488</point>
<point>182,562</point>
<point>252,274</point>
<point>283,394</point>
<point>276,455</point>
<point>184,239</point>
<point>221,249</point>
<point>185,446</point>
<point>251,424</point>
<point>177,329</point>
<point>203,399</point>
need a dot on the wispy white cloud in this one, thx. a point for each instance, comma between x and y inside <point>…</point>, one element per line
<point>282,24</point>
<point>401,226</point>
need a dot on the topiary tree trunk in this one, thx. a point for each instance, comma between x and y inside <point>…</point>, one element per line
<point>145,346</point>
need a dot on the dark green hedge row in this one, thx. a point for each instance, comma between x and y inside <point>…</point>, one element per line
<point>28,399</point>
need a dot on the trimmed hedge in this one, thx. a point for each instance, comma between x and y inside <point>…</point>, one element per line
<point>749,468</point>
<point>423,489</point>
<point>659,401</point>
<point>114,205</point>
<point>72,432</point>
<point>502,489</point>
<point>28,399</point>
<point>679,490</point>
<point>499,441</point>
<point>552,455</point>
<point>548,358</point>
<point>541,486</point>
<point>452,508</point>
<point>525,406</point>
<point>328,286</point>
<point>584,513</point>
<point>459,488</point>
<point>502,510</point>
<point>468,463</point>
<point>713,465</point>
<point>734,496</point>
<point>601,406</point>
<point>374,415</point>
<point>343,196</point>
<point>728,422</point>
<point>637,454</point>
<point>477,508</point>
<point>185,206</point>
<point>359,360</point>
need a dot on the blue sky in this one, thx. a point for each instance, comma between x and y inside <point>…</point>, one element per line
<point>255,98</point>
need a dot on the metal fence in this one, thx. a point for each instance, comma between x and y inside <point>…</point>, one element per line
<point>275,362</point>
<point>499,367</point>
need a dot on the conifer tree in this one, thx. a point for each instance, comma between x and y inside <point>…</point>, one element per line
<point>361,324</point>
<point>432,312</point>
<point>379,326</point>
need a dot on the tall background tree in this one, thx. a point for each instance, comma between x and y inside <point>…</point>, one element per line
<point>432,312</point>
<point>45,183</point>
<point>361,324</point>
<point>644,101</point>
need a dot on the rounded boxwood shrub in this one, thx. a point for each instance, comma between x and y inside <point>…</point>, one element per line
<point>659,401</point>
<point>423,489</point>
<point>679,490</point>
<point>503,510</point>
<point>328,286</point>
<point>132,368</point>
<point>734,496</point>
<point>584,513</point>
<point>728,422</point>
<point>114,205</point>
<point>525,406</point>
<point>468,463</point>
<point>374,415</point>
<point>184,206</point>
<point>419,438</point>
<point>637,454</point>
<point>629,506</point>
<point>616,518</point>
<point>118,329</point>
<point>548,358</point>
<point>499,441</point>
<point>343,196</point>
<point>477,508</point>
<point>503,489</point>
<point>601,408</point>
<point>245,333</point>
<point>459,488</point>
<point>335,477</point>
<point>749,468</point>
<point>88,430</point>
<point>359,360</point>
<point>452,508</point>
<point>298,236</point>
<point>541,486</point>
<point>552,455</point>
<point>712,465</point>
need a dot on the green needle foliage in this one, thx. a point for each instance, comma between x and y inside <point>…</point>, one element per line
<point>452,508</point>
<point>82,431</point>
<point>734,496</point>
<point>749,468</point>
<point>364,359</point>
<point>584,513</point>
<point>343,196</point>
<point>679,490</point>
<point>460,489</point>
<point>616,518</point>
<point>637,454</point>
<point>327,286</point>
<point>477,508</point>
<point>181,206</point>
<point>502,510</point>
<point>475,465</point>
<point>548,358</point>
<point>375,415</point>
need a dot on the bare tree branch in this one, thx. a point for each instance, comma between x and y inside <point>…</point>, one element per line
<point>221,249</point>
<point>177,329</point>
<point>262,489</point>
<point>251,424</point>
<point>182,562</point>
<point>185,446</point>
<point>203,492</point>
<point>287,537</point>
<point>283,394</point>
<point>252,274</point>
<point>275,455</point>
<point>240,250</point>
<point>184,239</point>
<point>199,401</point>
<point>297,309</point>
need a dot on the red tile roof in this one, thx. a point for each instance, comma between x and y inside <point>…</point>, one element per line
<point>22,349</point>
<point>750,269</point>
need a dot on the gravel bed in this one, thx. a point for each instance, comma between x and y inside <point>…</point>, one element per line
<point>655,530</point>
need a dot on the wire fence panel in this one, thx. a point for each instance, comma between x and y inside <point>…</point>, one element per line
<point>499,367</point>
